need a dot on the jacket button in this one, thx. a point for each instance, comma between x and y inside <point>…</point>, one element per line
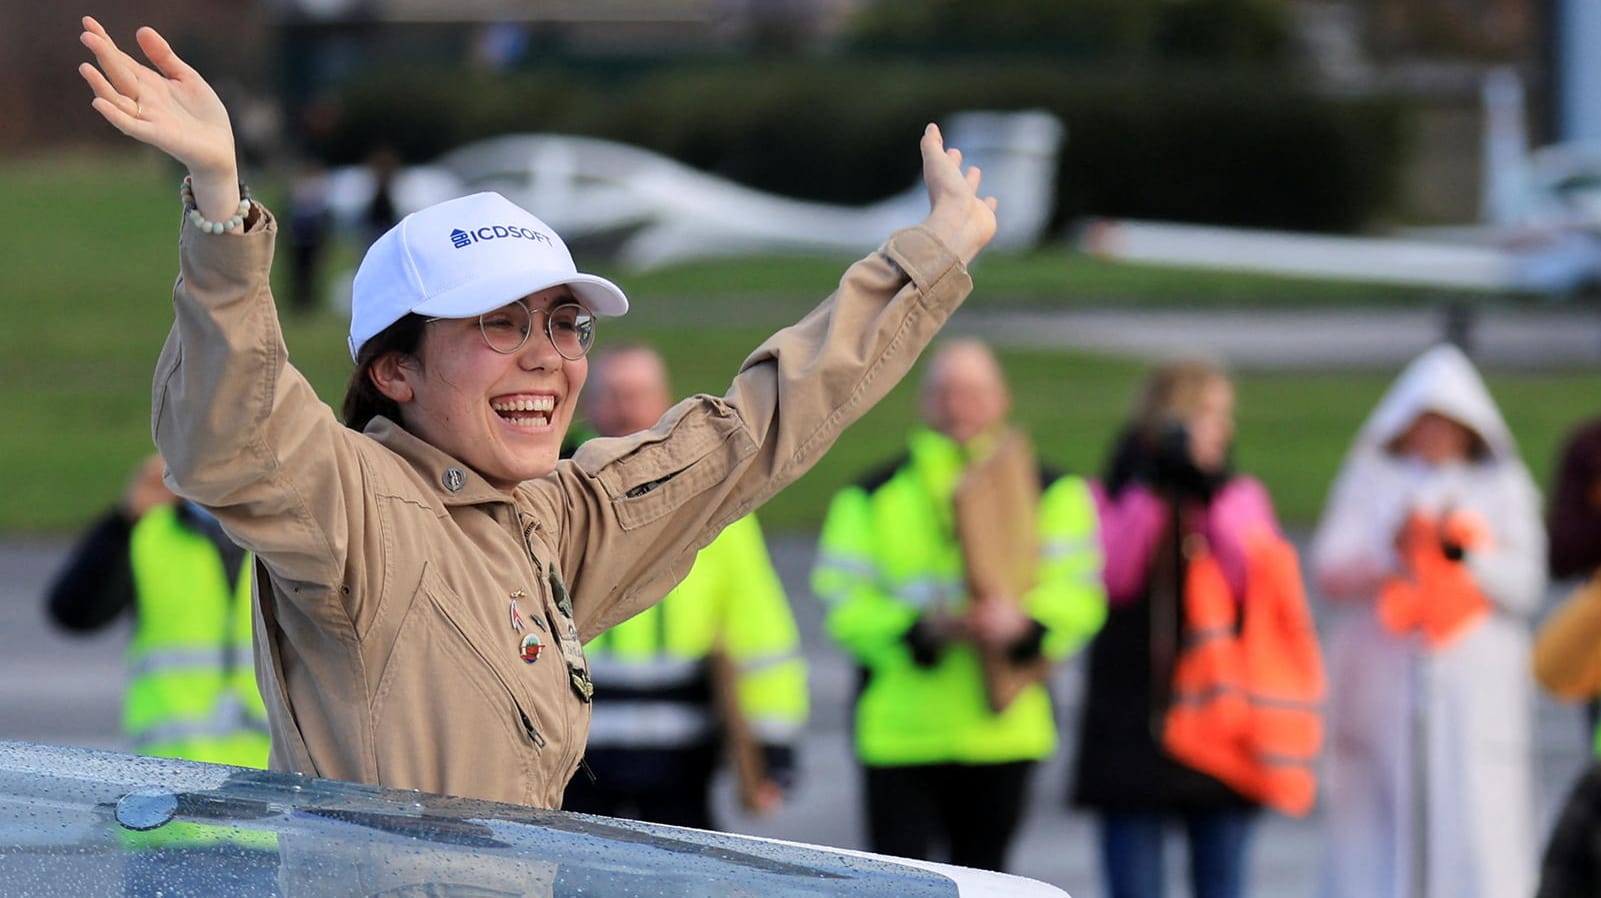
<point>454,479</point>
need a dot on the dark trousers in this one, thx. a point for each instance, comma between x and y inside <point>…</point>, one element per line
<point>1131,852</point>
<point>972,809</point>
<point>683,799</point>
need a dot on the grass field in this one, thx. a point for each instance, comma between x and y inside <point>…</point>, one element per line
<point>91,254</point>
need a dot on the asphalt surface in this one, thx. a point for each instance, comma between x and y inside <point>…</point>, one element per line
<point>67,690</point>
<point>1553,334</point>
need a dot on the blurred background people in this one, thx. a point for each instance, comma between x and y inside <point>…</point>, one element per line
<point>659,728</point>
<point>942,768</point>
<point>1573,516</point>
<point>1567,656</point>
<point>1432,550</point>
<point>191,690</point>
<point>1573,527</point>
<point>310,221</point>
<point>1169,487</point>
<point>1567,662</point>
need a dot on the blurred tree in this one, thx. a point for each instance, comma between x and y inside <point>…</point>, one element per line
<point>1253,31</point>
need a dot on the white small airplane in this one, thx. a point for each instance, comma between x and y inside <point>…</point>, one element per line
<point>1541,228</point>
<point>650,210</point>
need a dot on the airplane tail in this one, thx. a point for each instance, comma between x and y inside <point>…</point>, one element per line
<point>1017,152</point>
<point>1504,197</point>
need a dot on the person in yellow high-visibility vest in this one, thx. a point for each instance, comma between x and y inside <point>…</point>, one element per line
<point>941,766</point>
<point>656,736</point>
<point>191,691</point>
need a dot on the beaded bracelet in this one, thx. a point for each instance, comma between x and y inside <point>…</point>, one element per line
<point>187,191</point>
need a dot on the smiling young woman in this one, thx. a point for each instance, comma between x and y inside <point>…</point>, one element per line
<point>428,570</point>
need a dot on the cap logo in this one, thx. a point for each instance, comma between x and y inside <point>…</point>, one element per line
<point>463,238</point>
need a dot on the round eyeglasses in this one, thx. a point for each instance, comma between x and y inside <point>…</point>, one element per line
<point>569,326</point>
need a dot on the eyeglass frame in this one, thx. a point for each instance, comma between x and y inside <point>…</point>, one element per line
<point>529,332</point>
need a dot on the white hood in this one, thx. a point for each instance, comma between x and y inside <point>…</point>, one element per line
<point>1441,380</point>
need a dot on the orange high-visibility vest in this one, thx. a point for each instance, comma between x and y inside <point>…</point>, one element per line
<point>1438,596</point>
<point>1247,700</point>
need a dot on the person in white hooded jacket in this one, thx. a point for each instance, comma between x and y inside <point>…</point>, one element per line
<point>1432,551</point>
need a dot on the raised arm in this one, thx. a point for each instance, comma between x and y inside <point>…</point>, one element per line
<point>242,432</point>
<point>643,504</point>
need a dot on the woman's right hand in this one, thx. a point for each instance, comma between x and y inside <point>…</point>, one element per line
<point>169,107</point>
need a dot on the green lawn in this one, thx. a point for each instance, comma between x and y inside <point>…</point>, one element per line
<point>91,254</point>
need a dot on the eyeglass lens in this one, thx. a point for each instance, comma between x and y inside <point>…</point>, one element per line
<point>570,327</point>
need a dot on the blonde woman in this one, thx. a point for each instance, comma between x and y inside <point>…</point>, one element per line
<point>1169,484</point>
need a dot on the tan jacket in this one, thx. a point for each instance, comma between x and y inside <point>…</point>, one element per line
<point>385,644</point>
<point>1567,648</point>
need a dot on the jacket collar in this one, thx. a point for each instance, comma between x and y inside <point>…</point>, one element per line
<point>938,460</point>
<point>453,482</point>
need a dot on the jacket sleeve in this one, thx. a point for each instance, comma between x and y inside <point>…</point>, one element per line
<point>1511,572</point>
<point>242,432</point>
<point>1352,550</point>
<point>636,508</point>
<point>863,618</point>
<point>763,642</point>
<point>1069,598</point>
<point>96,582</point>
<point>1130,527</point>
<point>1242,508</point>
<point>1567,648</point>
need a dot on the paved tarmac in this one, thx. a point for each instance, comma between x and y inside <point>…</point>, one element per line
<point>1379,337</point>
<point>67,690</point>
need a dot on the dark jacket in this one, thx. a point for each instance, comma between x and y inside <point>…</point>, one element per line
<point>1121,766</point>
<point>95,585</point>
<point>1573,522</point>
<point>1571,867</point>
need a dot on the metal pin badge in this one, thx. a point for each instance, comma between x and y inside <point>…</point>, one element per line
<point>454,479</point>
<point>532,648</point>
<point>516,616</point>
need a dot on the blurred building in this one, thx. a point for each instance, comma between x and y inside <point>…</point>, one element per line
<point>1508,29</point>
<point>255,51</point>
<point>44,101</point>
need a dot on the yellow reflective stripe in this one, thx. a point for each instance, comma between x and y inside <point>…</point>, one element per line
<point>759,663</point>
<point>1066,547</point>
<point>225,718</point>
<point>930,592</point>
<point>848,565</point>
<point>775,731</point>
<point>196,659</point>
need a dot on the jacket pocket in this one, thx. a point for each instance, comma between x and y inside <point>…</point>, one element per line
<point>445,718</point>
<point>648,476</point>
<point>526,716</point>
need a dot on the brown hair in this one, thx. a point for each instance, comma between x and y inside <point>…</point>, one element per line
<point>363,401</point>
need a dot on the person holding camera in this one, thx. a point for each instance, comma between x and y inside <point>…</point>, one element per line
<point>1433,554</point>
<point>191,690</point>
<point>1169,495</point>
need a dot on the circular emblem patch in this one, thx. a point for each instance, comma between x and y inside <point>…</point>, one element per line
<point>532,647</point>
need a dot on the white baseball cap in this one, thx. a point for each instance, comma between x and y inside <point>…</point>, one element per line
<point>462,258</point>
